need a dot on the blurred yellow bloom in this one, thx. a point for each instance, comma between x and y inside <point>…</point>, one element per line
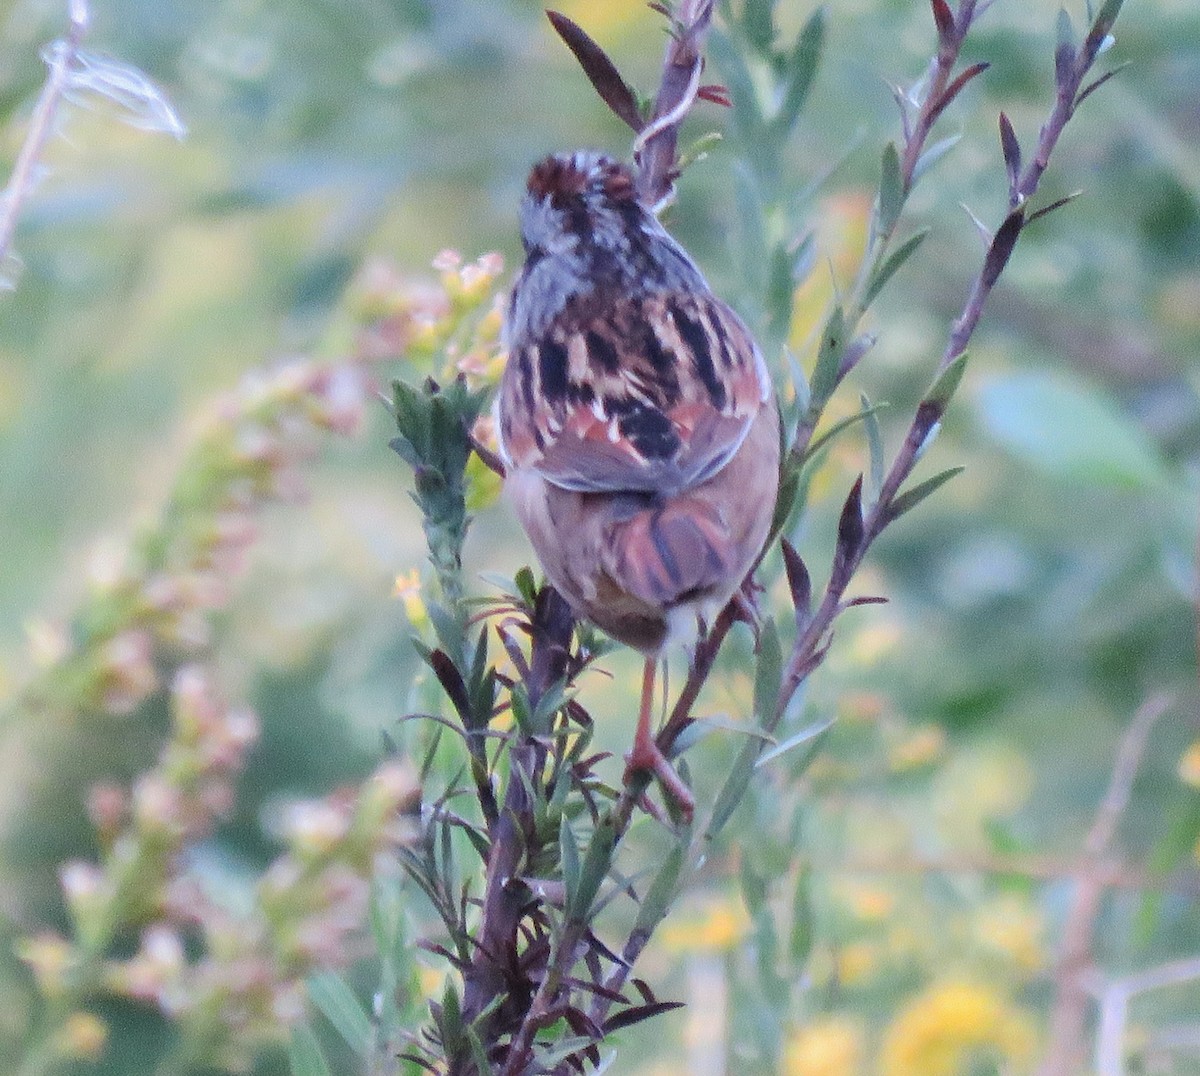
<point>831,1046</point>
<point>841,237</point>
<point>432,981</point>
<point>718,928</point>
<point>601,20</point>
<point>944,1030</point>
<point>83,1036</point>
<point>919,748</point>
<point>1189,766</point>
<point>1014,929</point>
<point>874,642</point>
<point>869,903</point>
<point>861,705</point>
<point>856,963</point>
<point>408,589</point>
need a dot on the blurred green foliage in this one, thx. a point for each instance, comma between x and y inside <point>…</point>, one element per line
<point>1035,601</point>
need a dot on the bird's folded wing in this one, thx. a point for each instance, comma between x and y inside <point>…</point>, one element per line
<point>641,394</point>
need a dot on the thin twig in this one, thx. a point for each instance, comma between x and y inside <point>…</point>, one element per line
<point>1068,1016</point>
<point>1114,1008</point>
<point>656,144</point>
<point>60,58</point>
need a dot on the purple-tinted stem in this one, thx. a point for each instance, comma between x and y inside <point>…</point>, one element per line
<point>655,147</point>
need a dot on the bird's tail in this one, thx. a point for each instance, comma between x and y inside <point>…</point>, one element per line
<point>674,553</point>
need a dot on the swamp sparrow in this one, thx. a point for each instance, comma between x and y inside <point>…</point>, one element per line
<point>636,418</point>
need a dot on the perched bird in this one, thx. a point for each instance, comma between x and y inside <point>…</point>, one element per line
<point>636,419</point>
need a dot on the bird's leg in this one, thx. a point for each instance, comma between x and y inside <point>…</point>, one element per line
<point>647,758</point>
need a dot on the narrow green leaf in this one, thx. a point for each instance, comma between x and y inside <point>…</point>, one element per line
<point>751,220</point>
<point>891,191</point>
<point>596,864</point>
<point>546,1058</point>
<point>569,852</point>
<point>946,383</point>
<point>800,71</point>
<point>837,428</point>
<point>754,888</point>
<point>305,1057</point>
<point>758,24</point>
<point>767,673</point>
<point>891,264</point>
<point>478,1053</point>
<point>1064,51</point>
<point>526,584</point>
<point>522,711</point>
<point>780,291</point>
<point>800,937</point>
<point>661,893</point>
<point>910,498</point>
<point>874,448</point>
<point>730,62</point>
<point>1108,15</point>
<point>336,1001</point>
<point>451,1024</point>
<point>814,735</point>
<point>734,788</point>
<point>933,154</point>
<point>825,370</point>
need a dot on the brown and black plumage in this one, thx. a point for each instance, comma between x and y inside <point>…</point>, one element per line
<point>636,417</point>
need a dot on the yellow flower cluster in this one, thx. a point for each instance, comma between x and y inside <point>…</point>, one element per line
<point>944,1030</point>
<point>830,1046</point>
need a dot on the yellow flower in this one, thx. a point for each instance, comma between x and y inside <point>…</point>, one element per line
<point>1189,766</point>
<point>920,747</point>
<point>718,928</point>
<point>408,589</point>
<point>83,1036</point>
<point>841,236</point>
<point>831,1046</point>
<point>869,903</point>
<point>952,1024</point>
<point>856,963</point>
<point>1013,928</point>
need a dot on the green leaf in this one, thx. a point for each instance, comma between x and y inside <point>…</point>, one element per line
<point>814,736</point>
<point>800,70</point>
<point>825,370</point>
<point>450,1022</point>
<point>478,1053</point>
<point>945,385</point>
<point>728,59</point>
<point>891,264</point>
<point>657,900</point>
<point>1069,429</point>
<point>780,291</point>
<point>305,1057</point>
<point>837,428</point>
<point>757,23</point>
<point>933,154</point>
<point>596,864</point>
<point>891,191</point>
<point>336,1001</point>
<point>767,673</point>
<point>522,711</point>
<point>569,852</point>
<point>752,220</point>
<point>910,498</point>
<point>734,788</point>
<point>874,447</point>
<point>754,888</point>
<point>800,937</point>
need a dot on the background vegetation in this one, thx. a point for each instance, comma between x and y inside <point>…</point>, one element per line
<point>1036,603</point>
